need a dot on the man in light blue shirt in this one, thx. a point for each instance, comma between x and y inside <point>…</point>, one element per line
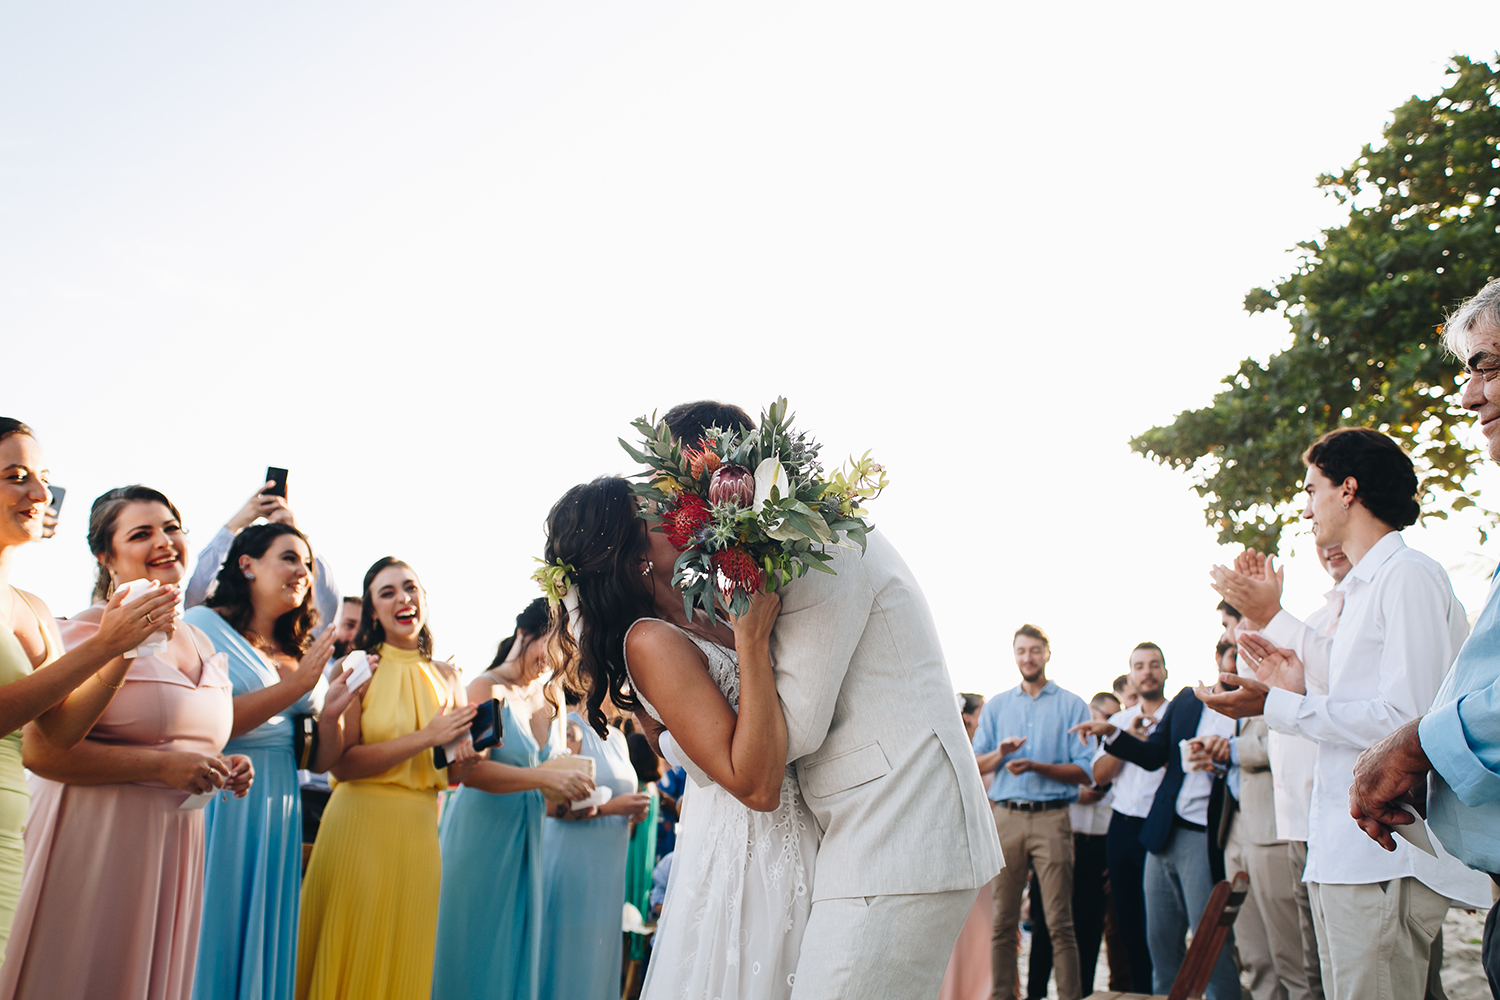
<point>1030,797</point>
<point>1455,748</point>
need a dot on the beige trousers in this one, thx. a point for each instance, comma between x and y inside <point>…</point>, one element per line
<point>1266,935</point>
<point>1042,841</point>
<point>1375,940</point>
<point>880,947</point>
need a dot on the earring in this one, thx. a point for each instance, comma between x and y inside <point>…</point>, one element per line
<point>251,576</point>
<point>1346,504</point>
<point>649,567</point>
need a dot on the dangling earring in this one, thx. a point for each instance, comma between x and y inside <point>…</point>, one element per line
<point>646,570</point>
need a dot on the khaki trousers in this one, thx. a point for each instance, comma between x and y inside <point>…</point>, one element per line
<point>1296,852</point>
<point>1042,841</point>
<point>1269,941</point>
<point>1375,940</point>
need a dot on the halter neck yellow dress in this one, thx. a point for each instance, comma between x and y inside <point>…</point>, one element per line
<point>15,796</point>
<point>370,897</point>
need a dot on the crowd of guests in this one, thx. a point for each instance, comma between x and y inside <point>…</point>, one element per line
<point>219,807</point>
<point>224,802</point>
<point>1308,766</point>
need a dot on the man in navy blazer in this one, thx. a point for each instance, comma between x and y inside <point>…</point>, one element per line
<point>1180,874</point>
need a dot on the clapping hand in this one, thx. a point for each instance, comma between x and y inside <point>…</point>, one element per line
<point>125,626</point>
<point>1274,665</point>
<point>1242,698</point>
<point>1253,586</point>
<point>1010,745</point>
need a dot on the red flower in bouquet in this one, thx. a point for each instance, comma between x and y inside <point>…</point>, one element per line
<point>702,459</point>
<point>738,570</point>
<point>684,519</point>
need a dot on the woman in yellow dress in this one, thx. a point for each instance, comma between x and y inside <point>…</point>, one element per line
<point>370,897</point>
<point>29,641</point>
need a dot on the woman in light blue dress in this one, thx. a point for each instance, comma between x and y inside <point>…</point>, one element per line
<point>489,934</point>
<point>261,616</point>
<point>584,856</point>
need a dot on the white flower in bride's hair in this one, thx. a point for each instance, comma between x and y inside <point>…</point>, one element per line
<point>769,473</point>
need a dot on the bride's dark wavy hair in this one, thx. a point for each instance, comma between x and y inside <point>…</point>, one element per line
<point>594,528</point>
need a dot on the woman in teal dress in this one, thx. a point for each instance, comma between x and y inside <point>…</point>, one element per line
<point>489,913</point>
<point>584,855</point>
<point>261,615</point>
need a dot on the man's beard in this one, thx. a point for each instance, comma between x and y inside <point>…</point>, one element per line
<point>1151,695</point>
<point>340,649</point>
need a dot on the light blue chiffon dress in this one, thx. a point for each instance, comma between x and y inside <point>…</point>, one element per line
<point>247,947</point>
<point>489,935</point>
<point>584,871</point>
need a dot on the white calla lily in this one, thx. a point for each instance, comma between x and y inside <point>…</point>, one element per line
<point>769,473</point>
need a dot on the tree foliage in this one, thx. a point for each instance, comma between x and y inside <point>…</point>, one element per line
<point>1365,306</point>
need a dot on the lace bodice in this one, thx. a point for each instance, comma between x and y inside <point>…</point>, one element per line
<point>723,667</point>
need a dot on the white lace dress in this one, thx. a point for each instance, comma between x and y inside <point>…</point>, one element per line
<point>737,902</point>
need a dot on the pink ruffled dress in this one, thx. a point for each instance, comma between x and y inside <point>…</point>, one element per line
<point>113,888</point>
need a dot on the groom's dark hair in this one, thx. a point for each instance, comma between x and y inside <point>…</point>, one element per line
<point>688,421</point>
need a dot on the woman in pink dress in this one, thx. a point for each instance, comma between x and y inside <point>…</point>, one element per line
<point>112,893</point>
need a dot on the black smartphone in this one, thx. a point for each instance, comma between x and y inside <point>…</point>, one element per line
<point>277,478</point>
<point>58,492</point>
<point>486,729</point>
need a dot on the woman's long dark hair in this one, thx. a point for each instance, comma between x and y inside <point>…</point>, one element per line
<point>102,518</point>
<point>532,623</point>
<point>371,633</point>
<point>231,597</point>
<point>594,528</point>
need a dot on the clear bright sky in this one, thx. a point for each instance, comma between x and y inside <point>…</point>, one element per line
<point>434,258</point>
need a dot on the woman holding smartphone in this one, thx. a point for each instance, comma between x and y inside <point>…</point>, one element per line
<point>261,616</point>
<point>114,852</point>
<point>35,673</point>
<point>490,917</point>
<point>370,899</point>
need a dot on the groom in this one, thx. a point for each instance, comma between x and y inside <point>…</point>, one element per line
<point>884,764</point>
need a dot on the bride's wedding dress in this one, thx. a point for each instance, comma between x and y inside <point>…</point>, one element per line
<point>741,885</point>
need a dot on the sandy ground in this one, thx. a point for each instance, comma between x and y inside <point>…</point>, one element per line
<point>1463,976</point>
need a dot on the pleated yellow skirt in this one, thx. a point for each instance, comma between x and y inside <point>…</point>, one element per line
<point>370,898</point>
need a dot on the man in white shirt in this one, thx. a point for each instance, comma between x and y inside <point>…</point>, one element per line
<point>1255,585</point>
<point>1133,790</point>
<point>1399,629</point>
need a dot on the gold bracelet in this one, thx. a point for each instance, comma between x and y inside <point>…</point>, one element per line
<point>112,687</point>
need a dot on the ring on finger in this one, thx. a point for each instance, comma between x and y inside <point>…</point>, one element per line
<point>149,618</point>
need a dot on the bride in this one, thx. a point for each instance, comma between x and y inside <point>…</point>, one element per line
<point>738,899</point>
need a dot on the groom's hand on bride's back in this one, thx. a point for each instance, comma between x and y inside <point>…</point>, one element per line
<point>651,729</point>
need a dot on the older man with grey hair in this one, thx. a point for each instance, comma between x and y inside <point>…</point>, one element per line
<point>1452,754</point>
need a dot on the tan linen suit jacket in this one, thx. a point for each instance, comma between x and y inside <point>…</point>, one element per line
<point>1257,812</point>
<point>874,731</point>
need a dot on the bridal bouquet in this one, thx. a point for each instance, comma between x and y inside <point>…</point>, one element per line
<point>748,510</point>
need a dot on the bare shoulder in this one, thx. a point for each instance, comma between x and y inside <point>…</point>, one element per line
<point>484,687</point>
<point>651,643</point>
<point>38,605</point>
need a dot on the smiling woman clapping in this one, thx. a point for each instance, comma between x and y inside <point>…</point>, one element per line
<point>114,846</point>
<point>370,899</point>
<point>261,615</point>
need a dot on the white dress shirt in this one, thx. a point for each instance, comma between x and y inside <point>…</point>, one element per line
<point>1192,797</point>
<point>1134,787</point>
<point>1400,628</point>
<point>1292,757</point>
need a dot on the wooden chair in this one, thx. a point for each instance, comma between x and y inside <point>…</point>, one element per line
<point>1208,940</point>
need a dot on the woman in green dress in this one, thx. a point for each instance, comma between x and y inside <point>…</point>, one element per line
<point>38,681</point>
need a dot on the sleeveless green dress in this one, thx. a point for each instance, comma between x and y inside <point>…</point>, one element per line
<point>15,797</point>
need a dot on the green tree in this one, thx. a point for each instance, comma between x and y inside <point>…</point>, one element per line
<point>1365,306</point>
